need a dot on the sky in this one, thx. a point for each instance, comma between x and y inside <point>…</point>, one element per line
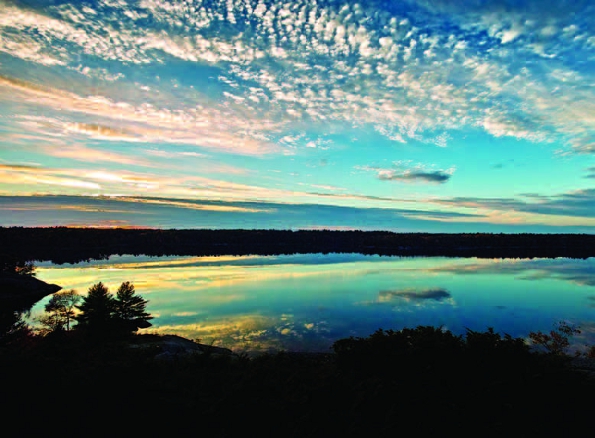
<point>412,115</point>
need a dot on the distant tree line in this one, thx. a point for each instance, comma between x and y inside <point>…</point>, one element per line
<point>62,245</point>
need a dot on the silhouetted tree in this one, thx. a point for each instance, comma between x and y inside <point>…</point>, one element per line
<point>130,308</point>
<point>60,310</point>
<point>96,310</point>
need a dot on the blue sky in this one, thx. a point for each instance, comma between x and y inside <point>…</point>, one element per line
<point>414,115</point>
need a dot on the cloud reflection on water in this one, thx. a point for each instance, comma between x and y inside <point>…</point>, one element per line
<point>436,294</point>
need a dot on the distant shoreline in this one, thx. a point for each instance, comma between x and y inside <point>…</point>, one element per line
<point>69,245</point>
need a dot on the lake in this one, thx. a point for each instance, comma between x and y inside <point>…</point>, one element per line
<point>305,302</point>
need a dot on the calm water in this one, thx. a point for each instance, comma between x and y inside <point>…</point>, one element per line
<point>305,302</point>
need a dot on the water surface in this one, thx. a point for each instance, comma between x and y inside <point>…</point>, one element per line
<point>306,302</point>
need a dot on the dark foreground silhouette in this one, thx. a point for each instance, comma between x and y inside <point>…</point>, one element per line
<point>62,244</point>
<point>423,381</point>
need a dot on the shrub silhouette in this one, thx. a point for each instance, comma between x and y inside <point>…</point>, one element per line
<point>434,353</point>
<point>60,311</point>
<point>557,341</point>
<point>407,349</point>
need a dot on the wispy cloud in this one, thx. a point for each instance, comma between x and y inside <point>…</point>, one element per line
<point>91,155</point>
<point>195,205</point>
<point>144,123</point>
<point>579,203</point>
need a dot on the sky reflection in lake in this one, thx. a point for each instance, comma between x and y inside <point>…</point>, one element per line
<point>305,302</point>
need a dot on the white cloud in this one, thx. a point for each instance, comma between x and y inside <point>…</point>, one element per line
<point>145,123</point>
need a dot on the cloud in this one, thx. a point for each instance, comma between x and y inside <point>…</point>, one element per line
<point>144,122</point>
<point>194,205</point>
<point>330,188</point>
<point>91,155</point>
<point>412,72</point>
<point>258,78</point>
<point>15,174</point>
<point>408,172</point>
<point>579,203</point>
<point>181,186</point>
<point>440,215</point>
<point>99,131</point>
<point>27,49</point>
<point>19,167</point>
<point>412,176</point>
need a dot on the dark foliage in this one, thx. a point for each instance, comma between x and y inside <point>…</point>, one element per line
<point>104,316</point>
<point>13,330</point>
<point>13,264</point>
<point>422,381</point>
<point>130,309</point>
<point>557,340</point>
<point>96,310</point>
<point>60,311</point>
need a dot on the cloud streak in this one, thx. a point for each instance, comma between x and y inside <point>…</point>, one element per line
<point>142,123</point>
<point>413,176</point>
<point>410,173</point>
<point>579,203</point>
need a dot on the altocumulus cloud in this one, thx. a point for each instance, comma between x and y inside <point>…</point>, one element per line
<point>339,61</point>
